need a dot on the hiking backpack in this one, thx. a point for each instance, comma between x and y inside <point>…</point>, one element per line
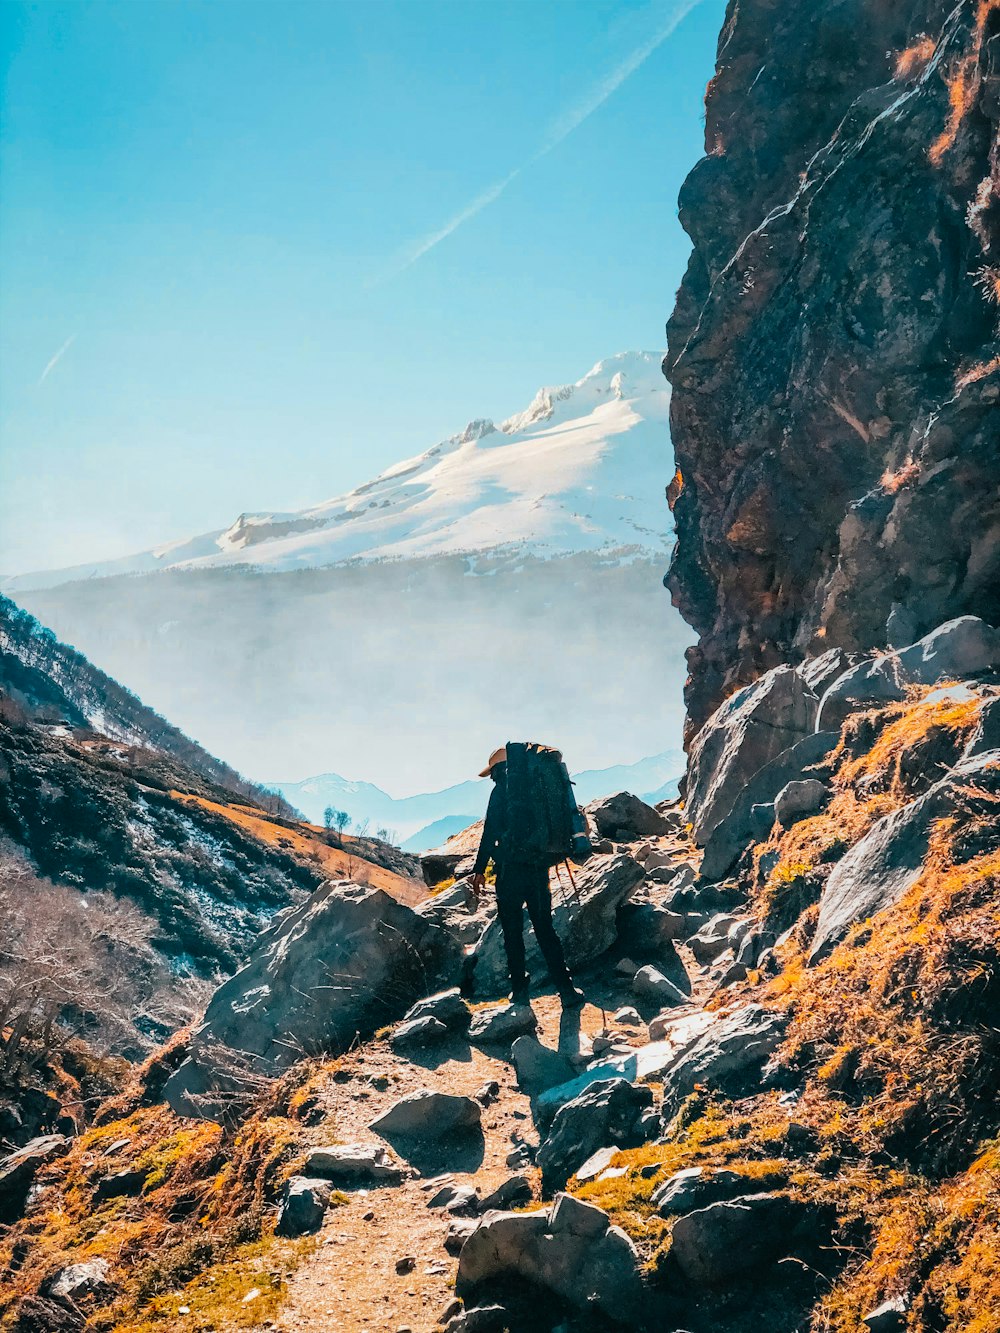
<point>544,823</point>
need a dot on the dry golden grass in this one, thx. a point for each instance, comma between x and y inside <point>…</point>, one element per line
<point>911,61</point>
<point>198,1233</point>
<point>963,84</point>
<point>893,1042</point>
<point>309,842</point>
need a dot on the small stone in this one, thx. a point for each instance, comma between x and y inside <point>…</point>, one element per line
<point>889,1317</point>
<point>430,1115</point>
<point>513,1193</point>
<point>488,1093</point>
<point>628,1017</point>
<point>649,983</point>
<point>596,1163</point>
<point>406,1264</point>
<point>462,1200</point>
<point>418,1034</point>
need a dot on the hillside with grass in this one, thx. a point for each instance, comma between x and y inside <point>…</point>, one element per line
<point>131,880</point>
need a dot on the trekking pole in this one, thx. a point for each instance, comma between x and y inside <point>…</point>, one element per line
<point>572,881</point>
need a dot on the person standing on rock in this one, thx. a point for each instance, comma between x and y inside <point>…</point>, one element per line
<point>522,866</point>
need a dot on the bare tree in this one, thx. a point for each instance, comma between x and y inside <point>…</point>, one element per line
<point>74,964</point>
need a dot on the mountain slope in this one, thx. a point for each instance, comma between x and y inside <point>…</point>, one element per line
<point>50,681</point>
<point>100,795</point>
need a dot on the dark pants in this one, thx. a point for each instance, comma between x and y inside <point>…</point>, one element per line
<point>520,886</point>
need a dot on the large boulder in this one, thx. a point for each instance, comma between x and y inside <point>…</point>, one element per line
<point>868,685</point>
<point>446,1006</point>
<point>418,1034</point>
<point>455,910</point>
<point>353,1163</point>
<point>878,870</point>
<point>539,1067</point>
<point>650,984</point>
<point>749,730</point>
<point>585,920</point>
<point>608,1112</point>
<point>728,1056</point>
<point>570,1251</point>
<point>428,1115</point>
<point>696,1187</point>
<point>347,961</point>
<point>960,648</point>
<point>725,1241</point>
<point>625,818</point>
<point>956,650</point>
<point>752,814</point>
<point>645,930</point>
<point>18,1171</point>
<point>798,799</point>
<point>502,1026</point>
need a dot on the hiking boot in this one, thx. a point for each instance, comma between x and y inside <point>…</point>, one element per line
<point>572,997</point>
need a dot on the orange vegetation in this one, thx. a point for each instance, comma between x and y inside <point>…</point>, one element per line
<point>963,85</point>
<point>895,481</point>
<point>979,372</point>
<point>196,1229</point>
<point>892,1043</point>
<point>310,842</point>
<point>915,57</point>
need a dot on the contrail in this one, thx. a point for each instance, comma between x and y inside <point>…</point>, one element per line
<point>55,360</point>
<point>572,119</point>
<point>561,129</point>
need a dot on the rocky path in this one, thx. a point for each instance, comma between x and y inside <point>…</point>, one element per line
<point>381,1261</point>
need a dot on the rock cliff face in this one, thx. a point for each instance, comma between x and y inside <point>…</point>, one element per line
<point>833,351</point>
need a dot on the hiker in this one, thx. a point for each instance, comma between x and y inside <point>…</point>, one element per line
<point>522,847</point>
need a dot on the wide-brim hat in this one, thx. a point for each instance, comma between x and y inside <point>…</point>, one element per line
<point>497,757</point>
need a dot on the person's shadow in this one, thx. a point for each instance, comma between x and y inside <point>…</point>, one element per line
<point>461,1152</point>
<point>569,1034</point>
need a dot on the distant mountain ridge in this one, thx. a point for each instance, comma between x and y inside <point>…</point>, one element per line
<point>423,820</point>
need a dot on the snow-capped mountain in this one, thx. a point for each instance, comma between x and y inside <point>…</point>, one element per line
<point>580,469</point>
<point>507,581</point>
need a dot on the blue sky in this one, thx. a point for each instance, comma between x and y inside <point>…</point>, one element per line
<point>229,276</point>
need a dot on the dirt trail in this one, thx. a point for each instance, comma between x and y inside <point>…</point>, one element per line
<point>352,1282</point>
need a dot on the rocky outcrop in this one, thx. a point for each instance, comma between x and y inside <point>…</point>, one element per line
<point>833,351</point>
<point>751,729</point>
<point>610,1111</point>
<point>570,1252</point>
<point>878,870</point>
<point>724,1241</point>
<point>625,818</point>
<point>348,960</point>
<point>727,1057</point>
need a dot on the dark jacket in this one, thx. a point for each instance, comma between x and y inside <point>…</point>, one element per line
<point>495,829</point>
